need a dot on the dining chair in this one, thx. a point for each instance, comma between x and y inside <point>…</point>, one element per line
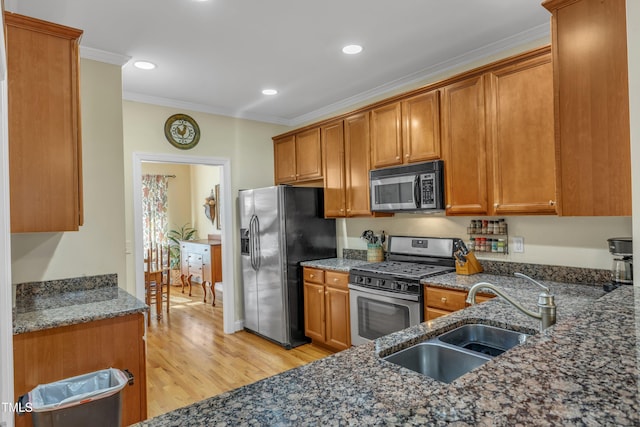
<point>157,275</point>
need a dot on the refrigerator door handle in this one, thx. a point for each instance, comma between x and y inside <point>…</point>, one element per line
<point>256,245</point>
<point>251,243</point>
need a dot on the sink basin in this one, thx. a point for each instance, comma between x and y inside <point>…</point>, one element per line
<point>488,340</point>
<point>437,361</point>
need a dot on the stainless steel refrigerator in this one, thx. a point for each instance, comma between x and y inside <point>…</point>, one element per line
<point>280,226</point>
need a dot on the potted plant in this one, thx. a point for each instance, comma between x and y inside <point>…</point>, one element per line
<point>175,236</point>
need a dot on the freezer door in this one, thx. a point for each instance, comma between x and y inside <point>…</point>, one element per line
<point>272,316</point>
<point>249,275</point>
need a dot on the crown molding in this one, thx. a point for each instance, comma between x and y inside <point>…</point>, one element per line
<point>104,56</point>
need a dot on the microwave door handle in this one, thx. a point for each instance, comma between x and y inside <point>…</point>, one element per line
<point>417,192</point>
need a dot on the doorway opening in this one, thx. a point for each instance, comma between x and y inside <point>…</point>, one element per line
<point>222,166</point>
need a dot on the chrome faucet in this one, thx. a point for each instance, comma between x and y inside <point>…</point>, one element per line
<point>546,302</point>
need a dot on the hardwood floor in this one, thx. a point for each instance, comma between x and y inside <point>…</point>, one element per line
<point>189,358</point>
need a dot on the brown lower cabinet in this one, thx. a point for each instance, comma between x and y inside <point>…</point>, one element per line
<point>326,308</point>
<point>52,355</point>
<point>442,301</point>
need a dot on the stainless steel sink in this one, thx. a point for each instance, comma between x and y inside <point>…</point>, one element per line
<point>488,340</point>
<point>437,361</point>
<point>457,352</point>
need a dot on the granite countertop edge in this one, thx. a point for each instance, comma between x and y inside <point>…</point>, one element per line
<point>121,304</point>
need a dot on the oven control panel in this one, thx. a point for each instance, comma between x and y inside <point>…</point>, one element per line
<point>388,284</point>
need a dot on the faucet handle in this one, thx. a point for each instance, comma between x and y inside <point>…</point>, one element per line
<point>524,276</point>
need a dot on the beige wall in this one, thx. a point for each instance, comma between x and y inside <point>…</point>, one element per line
<point>99,246</point>
<point>203,180</point>
<point>566,241</point>
<point>246,143</point>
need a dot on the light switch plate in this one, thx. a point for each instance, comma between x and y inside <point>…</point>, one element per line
<point>518,244</point>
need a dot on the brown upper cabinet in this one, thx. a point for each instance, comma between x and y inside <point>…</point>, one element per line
<point>498,139</point>
<point>406,131</point>
<point>465,147</point>
<point>591,106</point>
<point>45,155</point>
<point>521,138</point>
<point>346,167</point>
<point>298,157</point>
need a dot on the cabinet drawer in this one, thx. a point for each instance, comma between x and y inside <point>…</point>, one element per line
<point>313,275</point>
<point>431,313</point>
<point>445,299</point>
<point>336,279</point>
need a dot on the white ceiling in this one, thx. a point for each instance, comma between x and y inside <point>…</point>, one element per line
<point>216,56</point>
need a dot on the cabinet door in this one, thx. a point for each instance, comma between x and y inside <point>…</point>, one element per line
<point>284,153</point>
<point>44,126</point>
<point>338,326</point>
<point>314,311</point>
<point>592,106</point>
<point>386,136</point>
<point>356,137</point>
<point>217,263</point>
<point>464,147</point>
<point>55,354</point>
<point>334,171</point>
<point>421,127</point>
<point>308,155</point>
<point>522,138</point>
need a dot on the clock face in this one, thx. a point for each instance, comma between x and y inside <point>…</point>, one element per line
<point>182,131</point>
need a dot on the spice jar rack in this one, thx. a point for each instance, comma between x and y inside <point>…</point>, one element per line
<point>489,236</point>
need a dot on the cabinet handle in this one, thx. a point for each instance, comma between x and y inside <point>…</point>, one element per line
<point>552,202</point>
<point>443,299</point>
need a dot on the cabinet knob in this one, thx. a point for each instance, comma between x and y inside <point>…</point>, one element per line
<point>397,157</point>
<point>326,292</point>
<point>495,205</point>
<point>407,155</point>
<point>319,291</point>
<point>335,279</point>
<point>312,275</point>
<point>448,206</point>
<point>443,299</point>
<point>552,202</point>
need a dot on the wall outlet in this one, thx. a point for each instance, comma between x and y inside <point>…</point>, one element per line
<point>518,244</point>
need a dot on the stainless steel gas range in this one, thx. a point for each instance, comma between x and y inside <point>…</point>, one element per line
<point>387,296</point>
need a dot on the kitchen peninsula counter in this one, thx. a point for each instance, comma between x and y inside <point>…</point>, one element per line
<point>46,305</point>
<point>581,371</point>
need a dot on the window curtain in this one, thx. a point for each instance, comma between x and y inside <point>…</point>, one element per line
<point>154,209</point>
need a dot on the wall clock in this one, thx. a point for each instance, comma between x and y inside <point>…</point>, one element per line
<point>182,131</point>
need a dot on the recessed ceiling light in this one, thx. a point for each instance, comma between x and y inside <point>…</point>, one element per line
<point>144,65</point>
<point>352,49</point>
<point>269,92</point>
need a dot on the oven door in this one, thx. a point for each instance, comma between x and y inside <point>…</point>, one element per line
<point>375,313</point>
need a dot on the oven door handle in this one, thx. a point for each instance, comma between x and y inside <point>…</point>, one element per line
<point>395,295</point>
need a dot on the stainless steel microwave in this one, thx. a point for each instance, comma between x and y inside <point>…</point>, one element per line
<point>417,187</point>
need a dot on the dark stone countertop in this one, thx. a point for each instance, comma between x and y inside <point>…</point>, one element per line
<point>46,305</point>
<point>581,371</point>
